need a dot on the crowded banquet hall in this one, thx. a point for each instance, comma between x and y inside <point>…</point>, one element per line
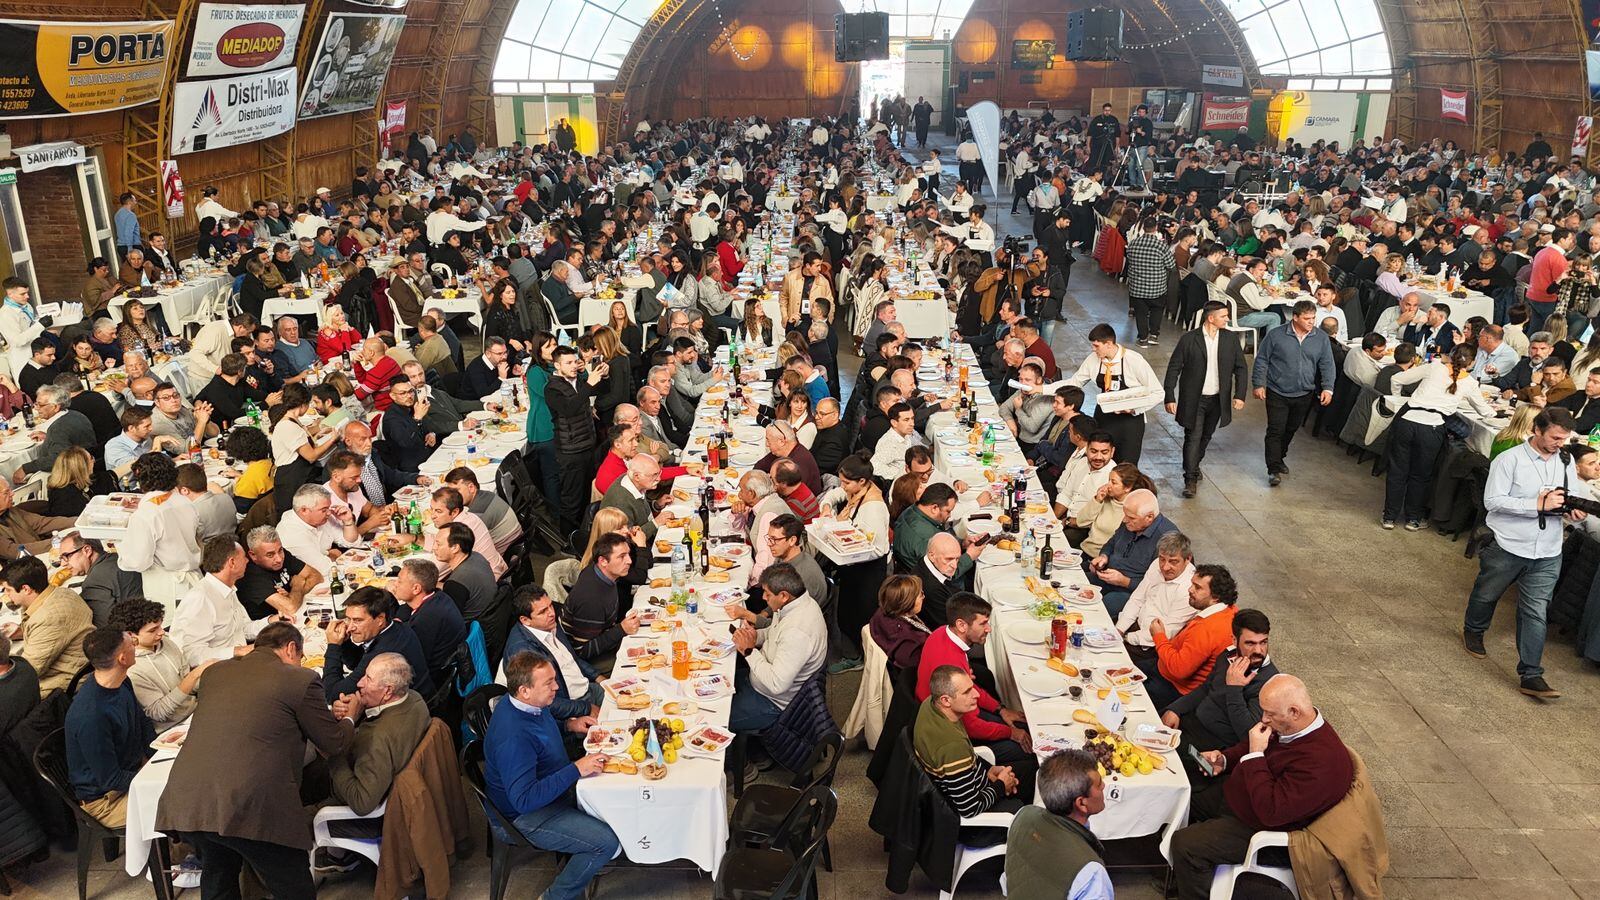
<point>648,448</point>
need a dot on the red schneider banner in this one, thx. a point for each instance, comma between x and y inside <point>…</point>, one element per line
<point>1224,113</point>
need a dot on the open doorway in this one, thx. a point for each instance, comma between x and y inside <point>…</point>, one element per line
<point>883,79</point>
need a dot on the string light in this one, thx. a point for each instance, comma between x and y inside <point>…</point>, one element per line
<point>1180,36</point>
<point>724,35</point>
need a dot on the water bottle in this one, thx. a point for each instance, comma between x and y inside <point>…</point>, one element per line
<point>472,443</point>
<point>1030,551</point>
<point>377,559</point>
<point>55,546</point>
<point>680,569</point>
<point>692,607</point>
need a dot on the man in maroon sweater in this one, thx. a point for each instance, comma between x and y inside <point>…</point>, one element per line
<point>1002,730</point>
<point>1291,768</point>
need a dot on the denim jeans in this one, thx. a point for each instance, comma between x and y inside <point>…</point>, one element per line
<point>750,711</point>
<point>1136,168</point>
<point>1536,581</point>
<point>541,459</point>
<point>1260,319</point>
<point>566,829</point>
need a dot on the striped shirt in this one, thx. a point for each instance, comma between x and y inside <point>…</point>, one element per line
<point>1149,259</point>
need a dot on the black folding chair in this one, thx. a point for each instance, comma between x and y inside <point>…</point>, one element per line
<point>50,761</point>
<point>784,866</point>
<point>763,808</point>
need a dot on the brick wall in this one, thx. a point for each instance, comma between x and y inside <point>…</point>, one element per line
<point>51,211</point>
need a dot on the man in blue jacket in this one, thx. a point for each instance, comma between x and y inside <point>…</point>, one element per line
<point>368,628</point>
<point>531,781</point>
<point>579,694</point>
<point>1294,368</point>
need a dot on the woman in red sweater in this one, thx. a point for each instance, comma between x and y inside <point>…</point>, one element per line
<point>336,337</point>
<point>731,257</point>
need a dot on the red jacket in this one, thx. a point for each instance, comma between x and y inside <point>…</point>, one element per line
<point>1292,783</point>
<point>331,345</point>
<point>613,467</point>
<point>940,649</point>
<point>1185,659</point>
<point>374,382</point>
<point>731,264</point>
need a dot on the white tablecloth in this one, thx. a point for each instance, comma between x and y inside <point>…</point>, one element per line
<point>593,311</point>
<point>177,303</point>
<point>923,318</point>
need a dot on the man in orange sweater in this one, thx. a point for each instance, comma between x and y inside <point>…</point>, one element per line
<point>1183,661</point>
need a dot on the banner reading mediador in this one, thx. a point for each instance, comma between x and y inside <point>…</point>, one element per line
<point>72,68</point>
<point>230,40</point>
<point>348,71</point>
<point>225,112</point>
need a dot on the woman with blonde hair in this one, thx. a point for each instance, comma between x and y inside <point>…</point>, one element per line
<point>73,481</point>
<point>1516,431</point>
<point>610,520</point>
<point>627,332</point>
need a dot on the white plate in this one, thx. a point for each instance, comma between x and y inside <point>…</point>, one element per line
<point>436,465</point>
<point>1037,681</point>
<point>1101,638</point>
<point>1014,597</point>
<point>976,527</point>
<point>1029,632</point>
<point>994,556</point>
<point>457,439</point>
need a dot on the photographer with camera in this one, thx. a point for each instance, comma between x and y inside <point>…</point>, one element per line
<point>1526,499</point>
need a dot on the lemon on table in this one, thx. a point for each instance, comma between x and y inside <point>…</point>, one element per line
<point>1144,767</point>
<point>677,724</point>
<point>670,755</point>
<point>636,754</point>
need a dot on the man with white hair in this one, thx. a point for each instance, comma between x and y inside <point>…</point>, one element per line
<point>1126,556</point>
<point>394,720</point>
<point>758,500</point>
<point>630,493</point>
<point>652,442</point>
<point>309,529</point>
<point>677,406</point>
<point>783,443</point>
<point>1291,768</point>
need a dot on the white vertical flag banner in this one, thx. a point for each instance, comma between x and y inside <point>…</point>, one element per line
<point>984,120</point>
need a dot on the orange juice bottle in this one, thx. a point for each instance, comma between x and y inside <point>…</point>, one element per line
<point>680,654</point>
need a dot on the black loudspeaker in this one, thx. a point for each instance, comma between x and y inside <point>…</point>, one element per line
<point>859,36</point>
<point>1094,34</point>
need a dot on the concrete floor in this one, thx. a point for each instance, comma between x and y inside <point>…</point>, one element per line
<point>1370,619</point>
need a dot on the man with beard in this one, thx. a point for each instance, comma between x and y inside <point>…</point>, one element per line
<point>1221,712</point>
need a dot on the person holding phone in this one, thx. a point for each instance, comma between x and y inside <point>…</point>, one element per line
<point>1221,711</point>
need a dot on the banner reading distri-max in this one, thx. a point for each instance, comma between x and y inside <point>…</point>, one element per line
<point>71,68</point>
<point>225,112</point>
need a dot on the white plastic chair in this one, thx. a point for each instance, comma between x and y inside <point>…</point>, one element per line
<point>1222,880</point>
<point>322,836</point>
<point>1248,335</point>
<point>32,489</point>
<point>442,271</point>
<point>559,576</point>
<point>967,857</point>
<point>212,308</point>
<point>573,330</point>
<point>400,327</point>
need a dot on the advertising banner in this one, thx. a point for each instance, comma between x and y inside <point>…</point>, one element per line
<point>984,120</point>
<point>1309,116</point>
<point>171,189</point>
<point>1224,113</point>
<point>1453,105</point>
<point>1232,76</point>
<point>393,121</point>
<point>56,153</point>
<point>347,73</point>
<point>225,112</point>
<point>1580,136</point>
<point>232,40</point>
<point>72,68</point>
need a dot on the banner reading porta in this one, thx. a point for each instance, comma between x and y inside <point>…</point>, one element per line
<point>232,40</point>
<point>73,68</point>
<point>225,112</point>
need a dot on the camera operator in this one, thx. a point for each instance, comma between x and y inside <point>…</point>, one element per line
<point>1526,499</point>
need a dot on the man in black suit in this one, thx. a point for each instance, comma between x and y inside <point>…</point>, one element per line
<point>367,629</point>
<point>1206,369</point>
<point>1222,710</point>
<point>937,568</point>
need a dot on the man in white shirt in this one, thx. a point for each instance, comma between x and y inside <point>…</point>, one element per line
<point>889,457</point>
<point>969,163</point>
<point>211,623</point>
<point>1394,319</point>
<point>1112,367</point>
<point>1327,297</point>
<point>161,539</point>
<point>779,658</point>
<point>1086,471</point>
<point>310,528</point>
<point>1163,595</point>
<point>442,220</point>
